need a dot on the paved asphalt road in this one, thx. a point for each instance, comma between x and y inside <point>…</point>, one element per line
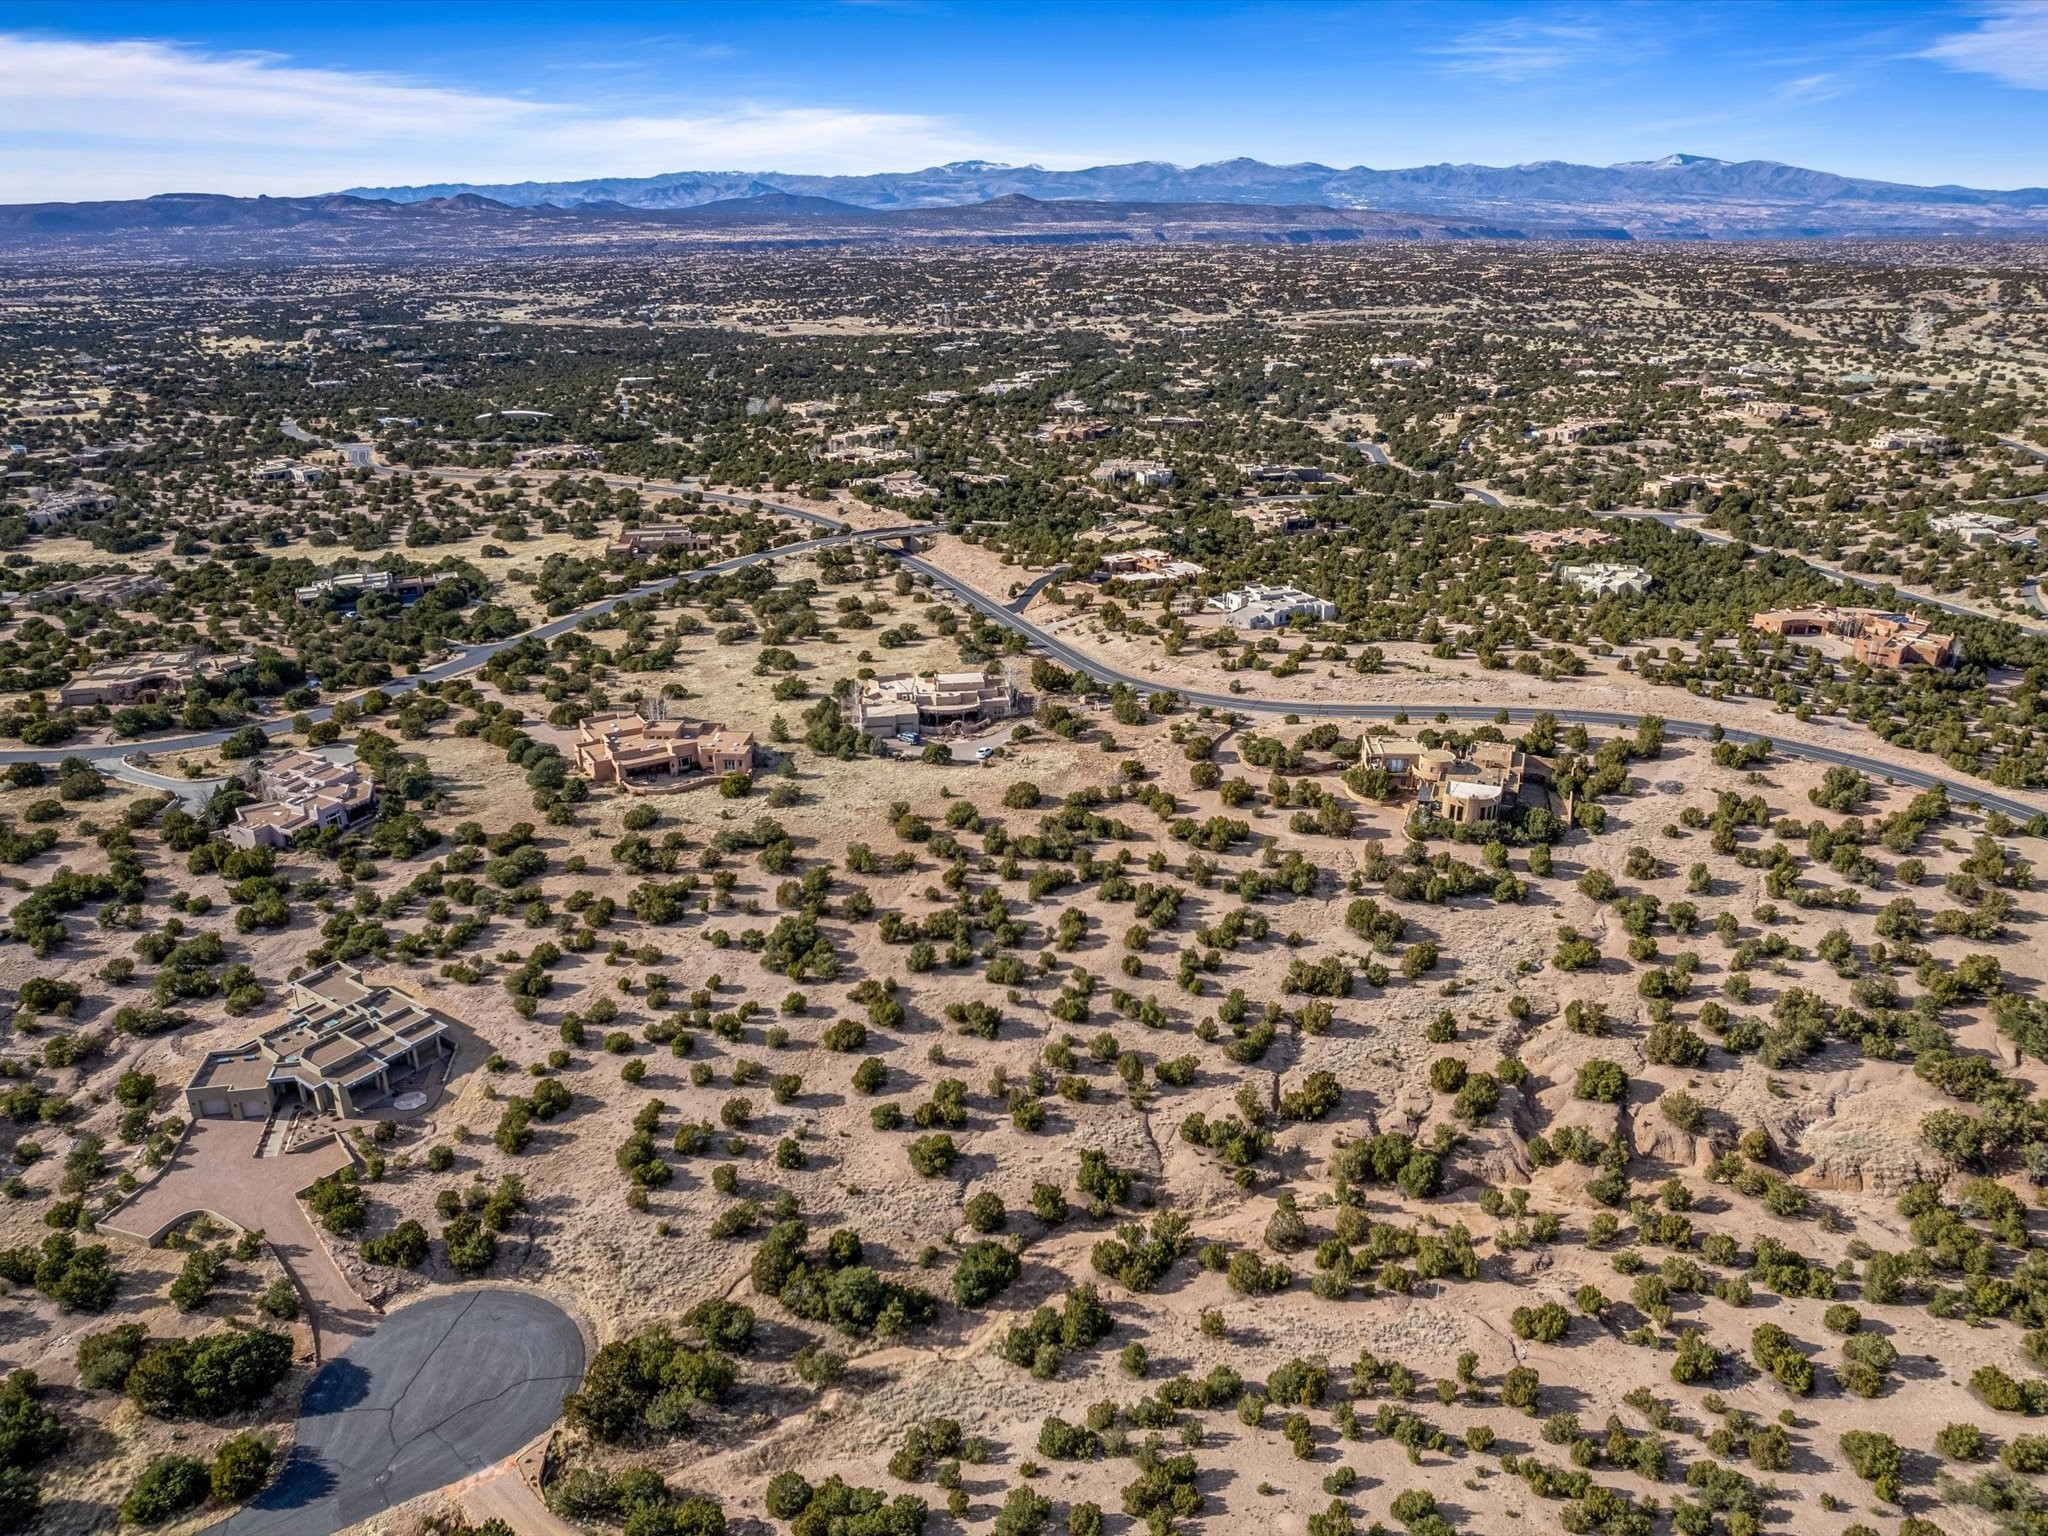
<point>1681,522</point>
<point>1962,791</point>
<point>442,1389</point>
<point>468,660</point>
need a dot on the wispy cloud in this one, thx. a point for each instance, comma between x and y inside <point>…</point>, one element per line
<point>1519,48</point>
<point>88,119</point>
<point>1813,88</point>
<point>2009,43</point>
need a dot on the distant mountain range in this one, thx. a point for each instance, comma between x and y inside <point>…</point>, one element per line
<point>1681,197</point>
<point>1677,197</point>
<point>343,227</point>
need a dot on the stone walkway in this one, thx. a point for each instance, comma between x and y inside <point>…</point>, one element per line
<point>217,1170</point>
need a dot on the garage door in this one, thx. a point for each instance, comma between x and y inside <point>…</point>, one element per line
<point>213,1107</point>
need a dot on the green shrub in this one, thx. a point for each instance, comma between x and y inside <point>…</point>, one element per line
<point>240,1467</point>
<point>1961,1442</point>
<point>105,1358</point>
<point>986,1270</point>
<point>215,1374</point>
<point>1871,1455</point>
<point>29,1431</point>
<point>20,1498</point>
<point>1600,1081</point>
<point>647,1384</point>
<point>2026,1454</point>
<point>933,1155</point>
<point>403,1247</point>
<point>168,1487</point>
<point>472,1247</point>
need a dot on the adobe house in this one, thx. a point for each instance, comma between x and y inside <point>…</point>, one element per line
<point>620,745</point>
<point>336,1052</point>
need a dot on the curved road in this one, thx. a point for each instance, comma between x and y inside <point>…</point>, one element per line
<point>470,659</point>
<point>1079,661</point>
<point>1962,792</point>
<point>442,1389</point>
<point>1688,522</point>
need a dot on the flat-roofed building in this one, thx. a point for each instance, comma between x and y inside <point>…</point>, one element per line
<point>557,456</point>
<point>290,471</point>
<point>907,483</point>
<point>1795,623</point>
<point>62,506</point>
<point>1147,567</point>
<point>653,538</point>
<point>1462,801</point>
<point>1281,515</point>
<point>1576,431</point>
<point>861,437</point>
<point>144,679</point>
<point>1552,541</point>
<point>888,706</point>
<point>1402,760</point>
<point>1140,472</point>
<point>1464,791</point>
<point>1304,474</point>
<point>1974,527</point>
<point>1881,640</point>
<point>350,587</point>
<point>1262,607</point>
<point>341,1043</point>
<point>1603,578</point>
<point>1897,643</point>
<point>299,792</point>
<point>1072,431</point>
<point>1776,410</point>
<point>112,590</point>
<point>620,746</point>
<point>1892,641</point>
<point>1911,440</point>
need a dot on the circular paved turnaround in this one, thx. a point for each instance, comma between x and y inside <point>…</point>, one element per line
<point>441,1389</point>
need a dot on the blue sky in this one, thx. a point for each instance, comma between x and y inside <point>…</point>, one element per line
<point>122,100</point>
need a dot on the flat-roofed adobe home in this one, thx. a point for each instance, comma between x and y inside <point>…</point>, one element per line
<point>1147,567</point>
<point>1462,791</point>
<point>338,1050</point>
<point>144,679</point>
<point>1477,789</point>
<point>1404,762</point>
<point>887,706</point>
<point>1892,641</point>
<point>302,790</point>
<point>653,538</point>
<point>620,746</point>
<point>351,587</point>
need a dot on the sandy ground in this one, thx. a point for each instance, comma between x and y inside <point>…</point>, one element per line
<point>1412,676</point>
<point>1846,1125</point>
